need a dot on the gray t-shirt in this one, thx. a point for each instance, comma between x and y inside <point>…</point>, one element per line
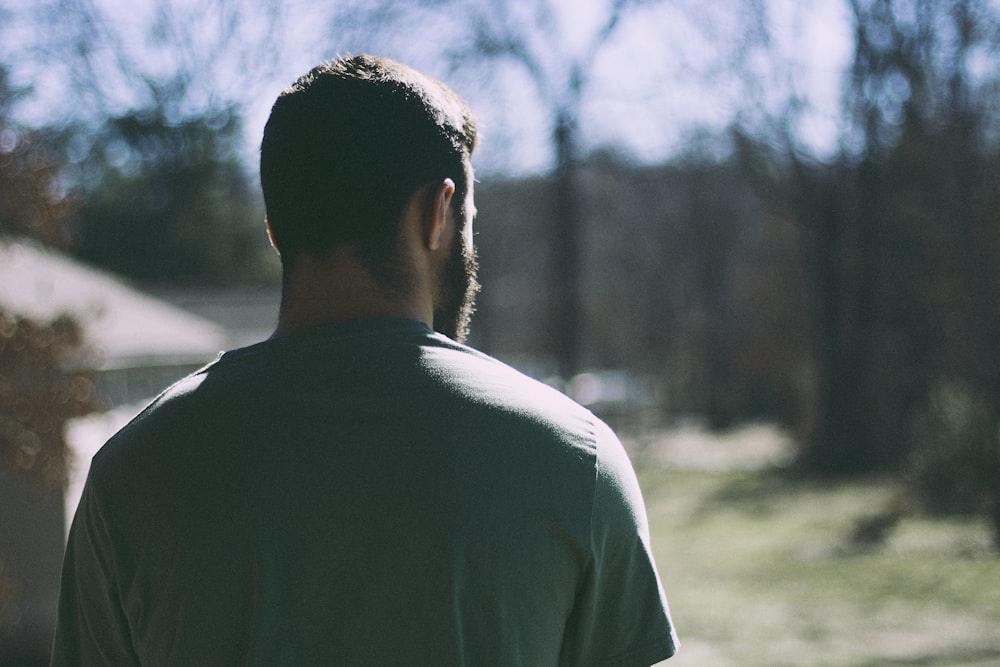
<point>369,493</point>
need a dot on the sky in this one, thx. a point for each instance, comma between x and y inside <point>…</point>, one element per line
<point>660,78</point>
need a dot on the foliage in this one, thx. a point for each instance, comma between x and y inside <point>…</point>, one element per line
<point>166,200</point>
<point>40,389</point>
<point>31,201</point>
<point>903,231</point>
<point>957,466</point>
<point>693,283</point>
<point>150,146</point>
<point>903,255</point>
<point>88,61</point>
<point>42,381</point>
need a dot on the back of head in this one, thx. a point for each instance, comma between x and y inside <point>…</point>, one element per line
<point>348,144</point>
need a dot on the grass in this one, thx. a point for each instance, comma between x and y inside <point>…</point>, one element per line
<point>759,570</point>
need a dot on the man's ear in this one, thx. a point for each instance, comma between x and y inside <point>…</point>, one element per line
<point>270,236</point>
<point>437,221</point>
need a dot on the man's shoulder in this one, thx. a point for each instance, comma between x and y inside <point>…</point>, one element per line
<point>499,396</point>
<point>481,375</point>
<point>163,429</point>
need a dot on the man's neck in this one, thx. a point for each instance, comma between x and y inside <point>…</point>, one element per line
<point>336,288</point>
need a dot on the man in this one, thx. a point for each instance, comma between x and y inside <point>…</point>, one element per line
<point>362,489</point>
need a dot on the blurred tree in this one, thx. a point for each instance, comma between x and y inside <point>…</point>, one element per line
<point>152,146</point>
<point>90,59</point>
<point>32,202</point>
<point>925,108</point>
<point>167,201</point>
<point>942,176</point>
<point>886,219</point>
<point>43,384</point>
<point>40,386</point>
<point>904,248</point>
<point>741,355</point>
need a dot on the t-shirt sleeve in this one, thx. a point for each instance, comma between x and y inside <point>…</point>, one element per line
<point>91,628</point>
<point>621,616</point>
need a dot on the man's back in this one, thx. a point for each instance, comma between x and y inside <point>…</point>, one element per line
<point>366,493</point>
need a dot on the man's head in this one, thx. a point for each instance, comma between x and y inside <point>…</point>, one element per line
<point>346,148</point>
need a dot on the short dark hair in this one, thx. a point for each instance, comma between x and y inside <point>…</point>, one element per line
<point>348,144</point>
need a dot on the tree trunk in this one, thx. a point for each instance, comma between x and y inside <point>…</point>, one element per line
<point>566,248</point>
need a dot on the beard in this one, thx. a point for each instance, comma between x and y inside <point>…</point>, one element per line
<point>457,296</point>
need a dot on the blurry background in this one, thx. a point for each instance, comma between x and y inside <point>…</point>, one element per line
<point>759,237</point>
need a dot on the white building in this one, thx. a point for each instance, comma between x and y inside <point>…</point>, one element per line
<point>140,343</point>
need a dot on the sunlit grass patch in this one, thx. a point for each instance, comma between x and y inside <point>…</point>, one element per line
<point>760,569</point>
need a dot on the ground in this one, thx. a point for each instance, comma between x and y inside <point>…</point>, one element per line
<point>761,569</point>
